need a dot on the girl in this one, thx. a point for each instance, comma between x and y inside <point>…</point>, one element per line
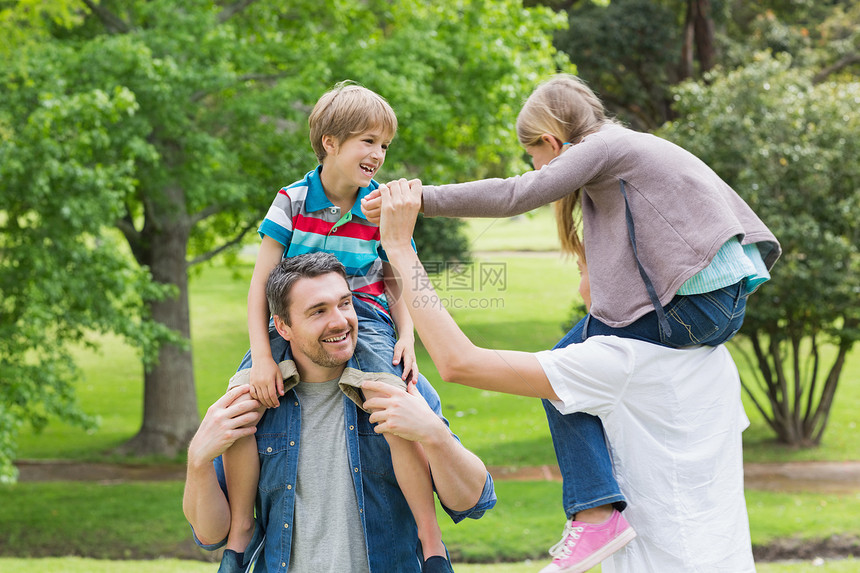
<point>673,252</point>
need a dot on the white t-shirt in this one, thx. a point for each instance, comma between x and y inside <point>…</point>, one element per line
<point>674,420</point>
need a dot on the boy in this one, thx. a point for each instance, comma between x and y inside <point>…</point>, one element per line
<point>350,130</point>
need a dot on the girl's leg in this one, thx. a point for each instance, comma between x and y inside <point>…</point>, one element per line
<point>413,476</point>
<point>711,318</point>
<point>582,453</point>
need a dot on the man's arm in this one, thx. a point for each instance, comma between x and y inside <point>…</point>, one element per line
<point>457,359</point>
<point>204,502</point>
<point>459,475</point>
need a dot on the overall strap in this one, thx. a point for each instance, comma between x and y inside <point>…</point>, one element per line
<point>652,294</point>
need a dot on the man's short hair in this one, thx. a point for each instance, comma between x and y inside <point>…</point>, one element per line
<point>289,271</point>
<point>347,110</point>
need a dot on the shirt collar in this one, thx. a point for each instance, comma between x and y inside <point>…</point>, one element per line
<point>316,199</point>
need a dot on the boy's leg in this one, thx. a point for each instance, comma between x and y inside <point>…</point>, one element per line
<point>413,476</point>
<point>242,461</point>
<point>374,352</point>
<point>242,472</point>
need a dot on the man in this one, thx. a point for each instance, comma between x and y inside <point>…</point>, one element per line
<point>673,418</point>
<point>325,467</point>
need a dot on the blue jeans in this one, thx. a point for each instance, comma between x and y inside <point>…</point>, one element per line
<point>580,444</point>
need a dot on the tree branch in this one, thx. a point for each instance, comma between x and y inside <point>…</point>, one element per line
<point>113,23</point>
<point>843,63</point>
<point>198,95</point>
<point>211,254</point>
<point>231,10</point>
<point>204,214</point>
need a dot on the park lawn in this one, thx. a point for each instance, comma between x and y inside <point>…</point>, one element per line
<point>78,565</point>
<point>143,520</point>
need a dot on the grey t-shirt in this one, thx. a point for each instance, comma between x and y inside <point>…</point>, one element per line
<point>327,531</point>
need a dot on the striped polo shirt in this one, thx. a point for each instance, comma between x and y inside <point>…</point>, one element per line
<point>304,220</point>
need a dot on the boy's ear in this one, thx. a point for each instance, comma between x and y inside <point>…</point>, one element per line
<point>329,143</point>
<point>282,327</point>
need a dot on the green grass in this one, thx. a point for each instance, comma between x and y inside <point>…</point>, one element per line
<point>78,565</point>
<point>144,520</point>
<point>532,231</point>
<point>121,521</point>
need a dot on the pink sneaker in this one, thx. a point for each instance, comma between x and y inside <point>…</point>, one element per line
<point>584,545</point>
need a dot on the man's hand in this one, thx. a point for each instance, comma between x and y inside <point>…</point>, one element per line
<point>403,413</point>
<point>231,417</point>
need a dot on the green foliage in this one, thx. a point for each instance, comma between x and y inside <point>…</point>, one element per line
<point>792,150</point>
<point>628,51</point>
<point>173,127</point>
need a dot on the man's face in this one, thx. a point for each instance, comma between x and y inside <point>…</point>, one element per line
<point>323,326</point>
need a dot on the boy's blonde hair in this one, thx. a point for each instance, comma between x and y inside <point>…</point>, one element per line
<point>567,109</point>
<point>346,110</point>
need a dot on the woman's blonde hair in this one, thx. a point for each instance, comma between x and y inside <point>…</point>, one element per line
<point>567,109</point>
<point>346,110</point>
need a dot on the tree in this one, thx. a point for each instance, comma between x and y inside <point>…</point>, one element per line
<point>632,51</point>
<point>791,148</point>
<point>170,128</point>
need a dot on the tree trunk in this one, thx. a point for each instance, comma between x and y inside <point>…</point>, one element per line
<point>706,48</point>
<point>697,39</point>
<point>685,66</point>
<point>170,415</point>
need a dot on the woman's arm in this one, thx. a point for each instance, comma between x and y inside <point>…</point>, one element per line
<point>457,359</point>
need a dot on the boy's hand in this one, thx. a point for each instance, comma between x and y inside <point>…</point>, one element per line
<point>371,206</point>
<point>267,383</point>
<point>404,351</point>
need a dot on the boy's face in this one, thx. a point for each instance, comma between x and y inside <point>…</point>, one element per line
<point>323,326</point>
<point>354,161</point>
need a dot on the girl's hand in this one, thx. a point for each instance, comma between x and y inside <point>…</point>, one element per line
<point>404,351</point>
<point>267,383</point>
<point>371,204</point>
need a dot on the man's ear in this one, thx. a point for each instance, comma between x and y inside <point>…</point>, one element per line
<point>283,328</point>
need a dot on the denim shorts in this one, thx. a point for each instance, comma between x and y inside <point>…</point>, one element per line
<point>711,318</point>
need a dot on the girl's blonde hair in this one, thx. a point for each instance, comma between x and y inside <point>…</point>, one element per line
<point>346,110</point>
<point>567,109</point>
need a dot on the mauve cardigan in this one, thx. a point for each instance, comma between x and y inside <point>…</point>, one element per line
<point>683,213</point>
